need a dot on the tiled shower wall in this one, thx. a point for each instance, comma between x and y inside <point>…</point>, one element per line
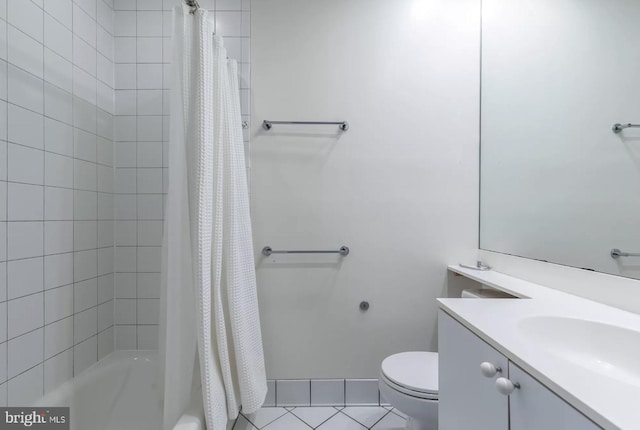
<point>142,81</point>
<point>56,192</point>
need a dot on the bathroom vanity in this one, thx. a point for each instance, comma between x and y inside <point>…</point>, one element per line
<point>545,360</point>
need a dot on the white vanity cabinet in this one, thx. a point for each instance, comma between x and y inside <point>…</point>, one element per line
<point>469,398</point>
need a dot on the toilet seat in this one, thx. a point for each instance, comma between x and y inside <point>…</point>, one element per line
<point>413,373</point>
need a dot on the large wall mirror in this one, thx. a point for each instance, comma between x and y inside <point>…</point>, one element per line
<point>557,184</point>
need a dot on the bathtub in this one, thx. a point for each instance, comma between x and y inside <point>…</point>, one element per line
<point>119,392</point>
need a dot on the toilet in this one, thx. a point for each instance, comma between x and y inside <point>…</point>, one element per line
<point>409,380</point>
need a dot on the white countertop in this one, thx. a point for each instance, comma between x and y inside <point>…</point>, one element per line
<point>611,403</point>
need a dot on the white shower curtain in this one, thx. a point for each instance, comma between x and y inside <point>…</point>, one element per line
<point>209,298</point>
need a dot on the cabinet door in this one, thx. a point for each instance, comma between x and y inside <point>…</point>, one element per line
<point>534,407</point>
<point>467,399</point>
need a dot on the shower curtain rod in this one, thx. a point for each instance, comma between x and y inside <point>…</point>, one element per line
<point>193,4</point>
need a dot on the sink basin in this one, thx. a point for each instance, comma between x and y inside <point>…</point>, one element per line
<point>609,350</point>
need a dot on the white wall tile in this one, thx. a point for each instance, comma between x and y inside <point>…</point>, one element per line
<point>125,76</point>
<point>149,4</point>
<point>148,311</point>
<point>150,233</point>
<point>58,369</point>
<point>3,322</point>
<point>58,337</point>
<point>58,137</point>
<point>84,145</point>
<point>125,259</point>
<point>125,24</point>
<point>149,24</point>
<point>85,324</point>
<point>57,70</point>
<point>58,170</point>
<point>125,128</point>
<point>125,311</point>
<point>125,50</point>
<point>149,180</point>
<point>58,303</point>
<point>126,336</point>
<point>84,175</point>
<point>24,239</point>
<point>27,17</point>
<point>84,23</point>
<point>149,259</point>
<point>3,282</point>
<point>85,265</point>
<point>24,277</point>
<point>25,89</point>
<point>61,10</point>
<point>58,237</point>
<point>327,392</point>
<point>84,85</point>
<point>25,352</point>
<point>58,104</point>
<point>106,261</point>
<point>84,55</point>
<point>149,49</point>
<point>106,342</point>
<point>58,270</point>
<point>149,102</point>
<point>85,205</point>
<point>361,392</point>
<point>105,288</point>
<point>25,164</point>
<point>57,37</point>
<point>105,315</point>
<point>150,207</point>
<point>26,388</point>
<point>125,285</point>
<point>149,128</point>
<point>293,393</point>
<point>85,235</point>
<point>147,337</point>
<point>148,285</point>
<point>85,354</point>
<point>25,127</point>
<point>85,294</point>
<point>26,202</point>
<point>229,24</point>
<point>106,46</point>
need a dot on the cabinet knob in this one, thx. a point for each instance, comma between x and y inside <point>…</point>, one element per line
<point>505,386</point>
<point>489,369</point>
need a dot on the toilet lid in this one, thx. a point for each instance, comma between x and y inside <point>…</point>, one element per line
<point>416,371</point>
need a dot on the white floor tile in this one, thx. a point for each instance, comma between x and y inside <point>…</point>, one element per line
<point>243,424</point>
<point>366,416</point>
<point>390,422</point>
<point>265,415</point>
<point>314,416</point>
<point>341,422</point>
<point>397,412</point>
<point>287,422</point>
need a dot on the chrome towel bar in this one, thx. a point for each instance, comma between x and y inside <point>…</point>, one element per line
<point>267,251</point>
<point>617,128</point>
<point>616,253</point>
<point>342,125</point>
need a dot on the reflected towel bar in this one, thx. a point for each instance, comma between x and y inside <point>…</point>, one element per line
<point>342,125</point>
<point>616,253</point>
<point>267,251</point>
<point>617,128</point>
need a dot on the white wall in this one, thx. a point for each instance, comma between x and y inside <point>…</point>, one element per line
<point>400,188</point>
<point>56,192</point>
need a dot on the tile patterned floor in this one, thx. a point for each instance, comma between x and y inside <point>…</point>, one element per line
<point>323,418</point>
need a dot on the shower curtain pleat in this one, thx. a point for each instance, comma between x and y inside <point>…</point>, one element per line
<point>218,268</point>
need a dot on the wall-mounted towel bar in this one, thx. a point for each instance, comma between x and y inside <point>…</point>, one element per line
<point>617,128</point>
<point>616,253</point>
<point>342,125</point>
<point>344,251</point>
